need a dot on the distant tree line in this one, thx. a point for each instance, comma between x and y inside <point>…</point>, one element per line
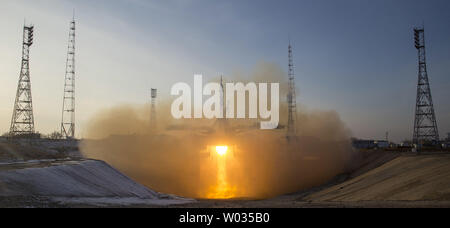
<point>54,135</point>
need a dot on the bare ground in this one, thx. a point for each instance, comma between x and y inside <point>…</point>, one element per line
<point>378,179</point>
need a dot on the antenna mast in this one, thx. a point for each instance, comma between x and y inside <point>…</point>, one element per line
<point>292,104</point>
<point>68,111</point>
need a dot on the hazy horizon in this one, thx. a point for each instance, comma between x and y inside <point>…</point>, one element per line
<point>353,56</point>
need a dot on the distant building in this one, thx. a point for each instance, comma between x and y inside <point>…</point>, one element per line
<point>446,143</point>
<point>382,144</point>
<point>369,144</point>
<point>363,144</point>
<point>406,144</point>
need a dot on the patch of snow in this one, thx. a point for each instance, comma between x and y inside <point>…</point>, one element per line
<point>85,181</point>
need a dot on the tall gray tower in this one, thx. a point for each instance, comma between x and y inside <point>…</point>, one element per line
<point>292,104</point>
<point>221,124</point>
<point>68,110</point>
<point>153,109</point>
<point>425,126</point>
<point>22,122</point>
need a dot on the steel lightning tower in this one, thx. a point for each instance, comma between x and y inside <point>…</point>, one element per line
<point>425,126</point>
<point>22,122</point>
<point>153,109</point>
<point>68,110</point>
<point>292,104</point>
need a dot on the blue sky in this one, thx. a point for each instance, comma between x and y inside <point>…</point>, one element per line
<point>353,56</point>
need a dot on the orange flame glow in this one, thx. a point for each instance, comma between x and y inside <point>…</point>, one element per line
<point>222,189</point>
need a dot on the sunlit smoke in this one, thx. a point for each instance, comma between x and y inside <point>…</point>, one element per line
<point>214,159</point>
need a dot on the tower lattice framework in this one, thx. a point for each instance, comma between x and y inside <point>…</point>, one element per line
<point>154,94</point>
<point>291,97</point>
<point>425,126</point>
<point>22,122</point>
<point>68,110</point>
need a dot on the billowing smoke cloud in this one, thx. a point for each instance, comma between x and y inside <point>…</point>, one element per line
<point>179,157</point>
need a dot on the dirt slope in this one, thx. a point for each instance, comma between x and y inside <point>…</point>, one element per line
<point>405,178</point>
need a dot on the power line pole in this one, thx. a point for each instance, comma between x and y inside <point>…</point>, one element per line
<point>22,122</point>
<point>291,98</point>
<point>68,110</point>
<point>425,126</point>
